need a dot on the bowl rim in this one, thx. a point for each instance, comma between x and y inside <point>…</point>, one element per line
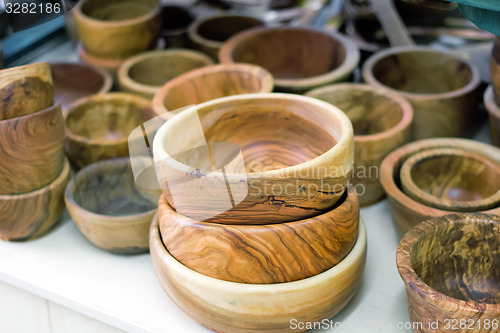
<point>53,108</point>
<point>490,103</point>
<point>13,74</point>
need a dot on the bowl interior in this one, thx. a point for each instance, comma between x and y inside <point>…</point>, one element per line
<point>117,10</point>
<point>73,81</point>
<point>222,28</point>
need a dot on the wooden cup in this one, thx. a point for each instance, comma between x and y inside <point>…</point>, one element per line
<point>494,115</point>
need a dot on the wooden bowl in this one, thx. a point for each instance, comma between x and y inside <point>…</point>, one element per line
<point>381,122</point>
<point>299,58</point>
<point>272,253</point>
<point>176,20</point>
<point>211,82</point>
<point>209,34</point>
<point>109,208</point>
<point>31,154</point>
<point>233,307</point>
<point>25,89</point>
<point>284,157</point>
<point>450,268</point>
<point>30,215</point>
<point>494,115</point>
<point>110,66</point>
<point>146,73</point>
<point>441,86</point>
<point>97,127</point>
<point>495,69</point>
<point>117,29</point>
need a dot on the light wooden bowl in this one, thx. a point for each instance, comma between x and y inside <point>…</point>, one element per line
<point>381,121</point>
<point>495,69</point>
<point>494,115</point>
<point>30,215</point>
<point>110,66</point>
<point>441,86</point>
<point>293,153</point>
<point>117,29</point>
<point>450,268</point>
<point>211,82</point>
<point>176,20</point>
<point>31,154</point>
<point>240,307</point>
<point>147,72</point>
<point>25,89</point>
<point>109,208</point>
<point>299,58</point>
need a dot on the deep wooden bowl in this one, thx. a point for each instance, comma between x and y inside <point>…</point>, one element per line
<point>450,268</point>
<point>147,72</point>
<point>176,20</point>
<point>241,307</point>
<point>495,69</point>
<point>299,58</point>
<point>117,29</point>
<point>494,115</point>
<point>31,154</point>
<point>441,86</point>
<point>381,121</point>
<point>109,208</point>
<point>110,66</point>
<point>211,82</point>
<point>30,215</point>
<point>25,89</point>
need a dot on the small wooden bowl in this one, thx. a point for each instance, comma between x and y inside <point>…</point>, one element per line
<point>495,69</point>
<point>233,307</point>
<point>441,86</point>
<point>31,154</point>
<point>25,90</point>
<point>211,82</point>
<point>449,265</point>
<point>115,29</point>
<point>299,58</point>
<point>381,122</point>
<point>494,115</point>
<point>97,127</point>
<point>30,215</point>
<point>109,208</point>
<point>146,73</point>
<point>110,66</point>
<point>176,20</point>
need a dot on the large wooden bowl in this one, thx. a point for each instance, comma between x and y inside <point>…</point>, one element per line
<point>381,121</point>
<point>109,208</point>
<point>30,215</point>
<point>25,89</point>
<point>299,58</point>
<point>31,154</point>
<point>494,115</point>
<point>495,69</point>
<point>241,307</point>
<point>284,158</point>
<point>450,266</point>
<point>441,86</point>
<point>110,66</point>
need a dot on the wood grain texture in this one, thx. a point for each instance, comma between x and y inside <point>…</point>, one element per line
<point>494,115</point>
<point>31,150</point>
<point>30,215</point>
<point>109,208</point>
<point>381,121</point>
<point>238,307</point>
<point>110,66</point>
<point>495,69</point>
<point>441,87</point>
<point>450,267</point>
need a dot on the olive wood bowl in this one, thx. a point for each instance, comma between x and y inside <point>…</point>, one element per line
<point>494,115</point>
<point>450,267</point>
<point>110,66</point>
<point>495,69</point>
<point>299,58</point>
<point>233,307</point>
<point>381,121</point>
<point>176,20</point>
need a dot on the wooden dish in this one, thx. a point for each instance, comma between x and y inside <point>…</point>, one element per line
<point>381,122</point>
<point>211,82</point>
<point>30,215</point>
<point>494,115</point>
<point>441,86</point>
<point>31,154</point>
<point>25,89</point>
<point>117,29</point>
<point>110,66</point>
<point>299,58</point>
<point>146,73</point>
<point>233,307</point>
<point>449,265</point>
<point>176,20</point>
<point>495,69</point>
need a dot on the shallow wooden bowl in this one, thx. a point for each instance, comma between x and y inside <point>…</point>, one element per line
<point>299,58</point>
<point>31,154</point>
<point>110,66</point>
<point>284,158</point>
<point>441,86</point>
<point>109,208</point>
<point>211,82</point>
<point>234,307</point>
<point>176,20</point>
<point>450,268</point>
<point>25,89</point>
<point>30,215</point>
<point>494,115</point>
<point>381,121</point>
<point>495,69</point>
<point>147,72</point>
<point>117,29</point>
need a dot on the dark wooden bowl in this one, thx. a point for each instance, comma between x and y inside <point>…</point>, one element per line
<point>450,266</point>
<point>110,66</point>
<point>495,69</point>
<point>494,115</point>
<point>176,20</point>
